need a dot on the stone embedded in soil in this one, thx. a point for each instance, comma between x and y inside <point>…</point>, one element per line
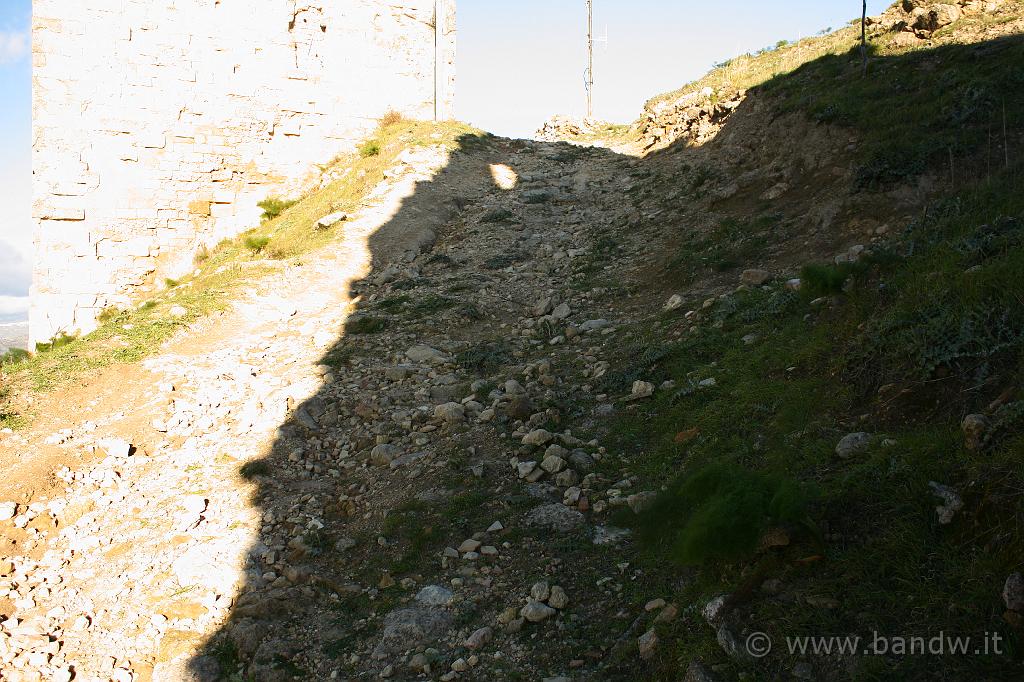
<point>853,444</point>
<point>452,413</point>
<point>647,644</point>
<point>434,595</point>
<point>331,220</point>
<point>536,611</point>
<point>114,447</point>
<point>425,354</point>
<point>537,437</point>
<point>479,638</point>
<point>1013,592</point>
<point>756,278</point>
<point>555,517</point>
<point>540,591</point>
<point>975,428</point>
<point>384,454</point>
<point>641,390</point>
<point>469,546</point>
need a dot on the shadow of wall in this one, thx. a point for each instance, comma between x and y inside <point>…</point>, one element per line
<point>326,565</point>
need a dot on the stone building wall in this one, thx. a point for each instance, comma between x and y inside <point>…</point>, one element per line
<point>158,125</point>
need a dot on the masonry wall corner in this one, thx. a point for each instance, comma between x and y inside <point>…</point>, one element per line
<point>158,126</point>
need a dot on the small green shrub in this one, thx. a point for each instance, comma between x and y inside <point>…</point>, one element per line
<point>274,206</point>
<point>825,280</point>
<point>108,314</point>
<point>431,304</point>
<point>226,653</point>
<point>369,148</point>
<point>483,358</point>
<point>56,342</point>
<point>256,243</point>
<point>721,511</point>
<point>171,283</point>
<point>13,356</point>
<point>251,470</point>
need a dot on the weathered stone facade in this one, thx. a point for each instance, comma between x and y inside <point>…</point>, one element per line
<point>159,124</point>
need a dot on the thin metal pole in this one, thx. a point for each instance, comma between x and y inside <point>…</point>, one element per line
<point>437,58</point>
<point>590,58</point>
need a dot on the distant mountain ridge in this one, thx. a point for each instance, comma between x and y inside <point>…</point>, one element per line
<point>13,335</point>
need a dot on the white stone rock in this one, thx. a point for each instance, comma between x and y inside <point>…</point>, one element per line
<point>535,611</point>
<point>537,437</point>
<point>329,221</point>
<point>641,389</point>
<point>558,598</point>
<point>853,444</point>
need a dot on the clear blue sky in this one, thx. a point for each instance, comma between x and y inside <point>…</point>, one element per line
<point>519,62</point>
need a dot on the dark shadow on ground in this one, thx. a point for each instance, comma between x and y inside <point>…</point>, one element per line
<point>320,585</point>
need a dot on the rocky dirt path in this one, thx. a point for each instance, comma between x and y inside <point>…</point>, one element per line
<point>365,469</point>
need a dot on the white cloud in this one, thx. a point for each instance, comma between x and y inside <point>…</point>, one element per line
<point>13,46</point>
<point>15,272</point>
<point>13,307</point>
<point>16,225</point>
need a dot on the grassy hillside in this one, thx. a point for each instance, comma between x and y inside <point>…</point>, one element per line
<point>902,346</point>
<point>917,530</point>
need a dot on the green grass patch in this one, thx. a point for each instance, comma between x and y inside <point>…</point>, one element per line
<point>275,206</point>
<point>369,148</point>
<point>721,512</point>
<point>920,337</point>
<point>940,108</point>
<point>825,280</point>
<point>255,243</point>
<point>732,244</point>
<point>13,356</point>
<point>251,470</point>
<point>365,324</point>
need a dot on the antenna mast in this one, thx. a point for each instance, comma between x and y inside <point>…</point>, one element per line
<point>590,59</point>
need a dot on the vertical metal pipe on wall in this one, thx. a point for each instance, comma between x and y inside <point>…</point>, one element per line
<point>438,13</point>
<point>444,41</point>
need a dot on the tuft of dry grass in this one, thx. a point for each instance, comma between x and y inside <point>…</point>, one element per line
<point>391,118</point>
